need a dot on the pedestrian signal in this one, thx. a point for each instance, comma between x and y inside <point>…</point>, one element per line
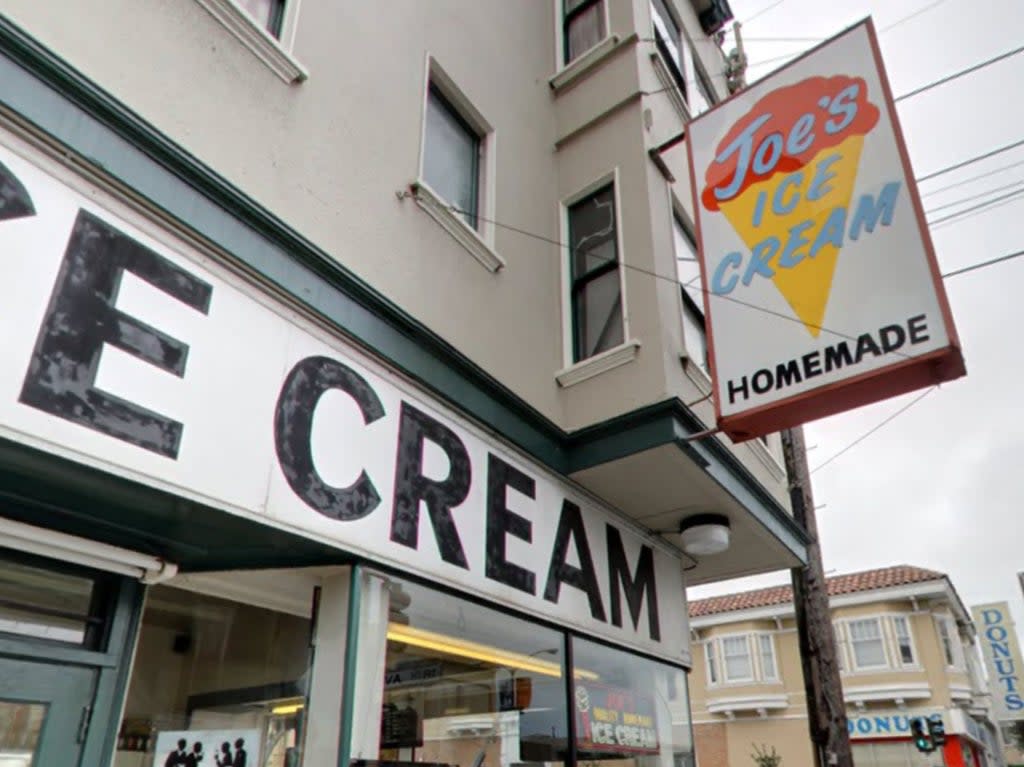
<point>937,730</point>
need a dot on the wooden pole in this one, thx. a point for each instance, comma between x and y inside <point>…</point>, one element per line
<point>826,712</point>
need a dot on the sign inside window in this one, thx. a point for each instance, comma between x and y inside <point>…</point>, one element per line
<point>615,720</point>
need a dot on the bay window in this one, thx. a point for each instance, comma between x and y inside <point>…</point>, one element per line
<point>866,643</point>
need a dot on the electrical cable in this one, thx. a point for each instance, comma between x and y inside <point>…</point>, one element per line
<point>978,177</point>
<point>983,264</point>
<point>913,15</point>
<point>961,73</point>
<point>980,207</point>
<point>765,10</point>
<point>979,195</point>
<point>871,431</point>
<point>969,161</point>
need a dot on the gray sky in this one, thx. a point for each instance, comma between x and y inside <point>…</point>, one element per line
<point>942,485</point>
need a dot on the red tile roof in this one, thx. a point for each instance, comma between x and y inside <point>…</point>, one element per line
<point>868,580</point>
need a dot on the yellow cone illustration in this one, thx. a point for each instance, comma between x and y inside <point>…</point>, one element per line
<point>805,286</point>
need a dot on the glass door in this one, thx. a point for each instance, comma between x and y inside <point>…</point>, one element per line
<point>44,712</point>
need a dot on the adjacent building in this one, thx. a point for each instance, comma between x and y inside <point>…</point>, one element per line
<point>906,648</point>
<point>351,401</point>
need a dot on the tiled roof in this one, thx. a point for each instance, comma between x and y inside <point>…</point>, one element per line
<point>868,580</point>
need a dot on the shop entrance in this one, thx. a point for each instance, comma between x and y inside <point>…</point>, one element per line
<point>45,711</point>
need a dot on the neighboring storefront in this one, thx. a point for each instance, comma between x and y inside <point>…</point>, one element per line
<point>883,738</point>
<point>162,409</point>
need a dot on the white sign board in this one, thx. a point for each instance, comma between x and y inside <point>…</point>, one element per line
<point>820,284</point>
<point>208,748</point>
<point>128,350</point>
<point>998,639</point>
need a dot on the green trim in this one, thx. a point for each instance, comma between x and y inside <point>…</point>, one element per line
<point>355,599</point>
<point>39,88</point>
<point>112,686</point>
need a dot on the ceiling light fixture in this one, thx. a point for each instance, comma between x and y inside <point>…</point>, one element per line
<point>704,534</point>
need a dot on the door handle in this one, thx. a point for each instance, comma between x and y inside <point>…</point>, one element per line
<point>83,723</point>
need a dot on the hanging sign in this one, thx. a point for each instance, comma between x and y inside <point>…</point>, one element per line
<point>998,639</point>
<point>820,283</point>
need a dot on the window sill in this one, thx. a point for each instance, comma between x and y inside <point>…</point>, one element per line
<point>256,39</point>
<point>441,212</point>
<point>669,86</point>
<point>599,363</point>
<point>583,64</point>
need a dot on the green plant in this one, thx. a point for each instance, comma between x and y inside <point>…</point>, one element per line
<point>764,758</point>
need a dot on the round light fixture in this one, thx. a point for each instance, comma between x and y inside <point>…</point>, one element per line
<point>704,534</point>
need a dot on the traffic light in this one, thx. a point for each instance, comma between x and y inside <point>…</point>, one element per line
<point>922,737</point>
<point>937,730</point>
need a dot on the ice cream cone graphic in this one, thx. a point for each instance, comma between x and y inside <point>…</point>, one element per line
<point>780,173</point>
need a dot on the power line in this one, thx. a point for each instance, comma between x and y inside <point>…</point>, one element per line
<point>871,431</point>
<point>913,15</point>
<point>973,178</point>
<point>961,73</point>
<point>970,161</point>
<point>765,10</point>
<point>962,200</point>
<point>983,264</point>
<point>979,207</point>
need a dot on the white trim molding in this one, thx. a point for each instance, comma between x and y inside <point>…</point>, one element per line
<point>584,63</point>
<point>599,363</point>
<point>267,49</point>
<point>669,86</point>
<point>875,693</point>
<point>761,704</point>
<point>441,212</point>
<point>961,693</point>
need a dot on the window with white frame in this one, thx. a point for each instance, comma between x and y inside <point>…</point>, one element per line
<point>268,14</point>
<point>736,659</point>
<point>709,651</point>
<point>766,655</point>
<point>949,638</point>
<point>451,155</point>
<point>904,641</point>
<point>680,60</point>
<point>866,643</point>
<point>583,26</point>
<point>694,328</point>
<point>596,286</point>
<point>837,630</point>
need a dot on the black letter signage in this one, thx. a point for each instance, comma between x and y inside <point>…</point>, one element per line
<point>584,577</point>
<point>411,487</point>
<point>635,587</point>
<point>293,426</point>
<point>502,521</point>
<point>81,318</point>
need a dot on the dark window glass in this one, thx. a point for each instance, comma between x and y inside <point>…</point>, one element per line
<point>451,156</point>
<point>469,686</point>
<point>46,604</point>
<point>583,26</point>
<point>269,14</point>
<point>669,40</point>
<point>629,708</point>
<point>596,288</point>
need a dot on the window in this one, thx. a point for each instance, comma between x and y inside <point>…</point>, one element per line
<point>594,263</point>
<point>949,639</point>
<point>904,644</point>
<point>866,643</point>
<point>736,656</point>
<point>583,26</point>
<point>451,156</point>
<point>767,655</point>
<point>837,630</point>
<point>269,14</point>
<point>709,648</point>
<point>694,329</point>
<point>611,686</point>
<point>669,39</point>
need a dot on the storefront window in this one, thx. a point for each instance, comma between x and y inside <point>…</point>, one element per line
<point>469,686</point>
<point>629,709</point>
<point>215,683</point>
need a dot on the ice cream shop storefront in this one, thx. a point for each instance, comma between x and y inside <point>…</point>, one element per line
<point>229,536</point>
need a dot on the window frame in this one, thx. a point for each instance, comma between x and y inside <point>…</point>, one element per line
<point>274,50</point>
<point>854,664</point>
<point>676,69</point>
<point>897,647</point>
<point>946,629</point>
<point>437,96</point>
<point>569,307</point>
<point>691,313</point>
<point>565,18</point>
<point>760,638</point>
<point>710,658</point>
<point>752,679</point>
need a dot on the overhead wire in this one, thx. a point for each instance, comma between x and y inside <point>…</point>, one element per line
<point>968,180</point>
<point>963,72</point>
<point>980,207</point>
<point>913,15</point>
<point>976,196</point>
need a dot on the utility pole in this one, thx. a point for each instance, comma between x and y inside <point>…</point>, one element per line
<point>826,712</point>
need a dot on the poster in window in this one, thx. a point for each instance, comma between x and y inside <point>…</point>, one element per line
<point>613,720</point>
<point>208,748</point>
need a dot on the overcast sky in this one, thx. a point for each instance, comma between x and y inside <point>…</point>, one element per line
<point>942,485</point>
